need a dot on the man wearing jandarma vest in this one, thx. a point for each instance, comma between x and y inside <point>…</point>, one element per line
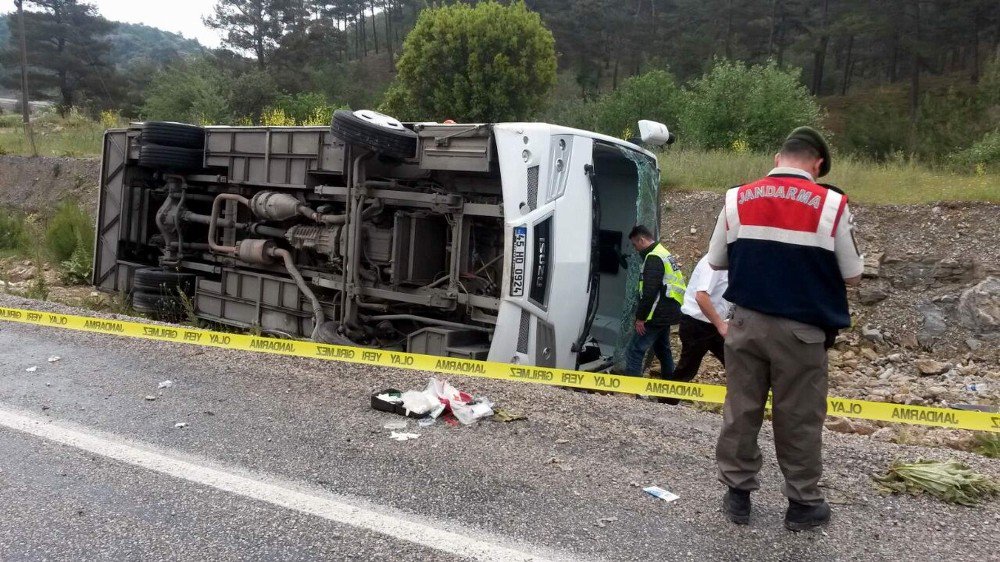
<point>789,246</point>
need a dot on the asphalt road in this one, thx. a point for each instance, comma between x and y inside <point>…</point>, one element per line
<point>282,458</point>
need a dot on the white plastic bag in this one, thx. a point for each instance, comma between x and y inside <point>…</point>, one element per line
<point>419,402</point>
<point>471,413</point>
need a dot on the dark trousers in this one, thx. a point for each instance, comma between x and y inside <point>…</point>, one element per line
<point>766,353</point>
<point>697,339</point>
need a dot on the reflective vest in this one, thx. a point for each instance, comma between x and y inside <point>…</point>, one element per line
<point>673,279</point>
<point>780,232</point>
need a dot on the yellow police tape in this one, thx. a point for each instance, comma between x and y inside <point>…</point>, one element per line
<point>861,409</point>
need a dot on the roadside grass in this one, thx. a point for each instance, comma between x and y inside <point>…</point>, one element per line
<point>880,183</point>
<point>898,181</point>
<point>68,228</point>
<point>73,135</point>
<point>117,303</point>
<point>15,239</point>
<point>65,239</point>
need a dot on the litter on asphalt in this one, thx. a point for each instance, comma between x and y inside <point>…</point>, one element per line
<point>54,358</point>
<point>658,492</point>
<point>31,369</point>
<point>439,397</point>
<point>165,384</point>
<point>180,425</point>
<point>403,436</point>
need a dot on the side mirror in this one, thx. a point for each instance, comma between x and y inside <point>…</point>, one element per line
<point>655,134</point>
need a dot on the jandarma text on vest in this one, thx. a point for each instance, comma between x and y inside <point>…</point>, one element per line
<point>803,196</point>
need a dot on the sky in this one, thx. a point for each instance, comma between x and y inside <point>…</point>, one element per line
<point>179,16</point>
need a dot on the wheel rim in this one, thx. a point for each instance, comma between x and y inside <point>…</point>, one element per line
<point>379,119</point>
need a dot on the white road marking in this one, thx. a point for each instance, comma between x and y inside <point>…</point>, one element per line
<point>386,521</point>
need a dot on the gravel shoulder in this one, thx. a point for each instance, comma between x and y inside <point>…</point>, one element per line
<point>925,320</point>
<point>569,478</point>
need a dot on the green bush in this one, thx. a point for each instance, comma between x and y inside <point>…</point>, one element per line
<point>482,63</point>
<point>247,93</point>
<point>305,108</point>
<point>567,106</point>
<point>878,130</point>
<point>193,92</point>
<point>571,112</point>
<point>754,106</point>
<point>301,106</point>
<point>982,156</point>
<point>653,95</point>
<point>13,232</point>
<point>70,231</point>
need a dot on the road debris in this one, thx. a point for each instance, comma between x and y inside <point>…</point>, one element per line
<point>439,397</point>
<point>949,481</point>
<point>180,425</point>
<point>508,416</point>
<point>31,369</point>
<point>422,403</point>
<point>403,436</point>
<point>658,492</point>
<point>560,464</point>
<point>54,358</point>
<point>470,413</point>
<point>150,397</point>
<point>165,384</point>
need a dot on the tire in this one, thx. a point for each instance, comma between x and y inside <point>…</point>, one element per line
<point>379,133</point>
<point>166,133</point>
<point>160,307</point>
<point>171,158</point>
<point>162,282</point>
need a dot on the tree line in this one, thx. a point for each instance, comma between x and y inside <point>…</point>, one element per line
<point>837,43</point>
<point>348,29</point>
<point>307,56</point>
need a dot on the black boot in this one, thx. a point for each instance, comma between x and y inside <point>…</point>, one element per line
<point>736,505</point>
<point>800,516</point>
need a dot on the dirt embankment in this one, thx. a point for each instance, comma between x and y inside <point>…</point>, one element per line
<point>35,185</point>
<point>926,319</point>
<point>920,260</point>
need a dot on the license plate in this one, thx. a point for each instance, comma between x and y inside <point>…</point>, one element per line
<point>517,261</point>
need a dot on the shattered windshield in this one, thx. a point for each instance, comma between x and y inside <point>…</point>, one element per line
<point>647,213</point>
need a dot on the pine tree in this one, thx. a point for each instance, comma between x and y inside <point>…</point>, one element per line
<point>67,53</point>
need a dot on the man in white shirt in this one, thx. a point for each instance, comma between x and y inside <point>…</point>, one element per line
<point>703,323</point>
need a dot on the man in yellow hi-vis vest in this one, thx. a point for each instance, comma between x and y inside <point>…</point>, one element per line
<point>661,293</point>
